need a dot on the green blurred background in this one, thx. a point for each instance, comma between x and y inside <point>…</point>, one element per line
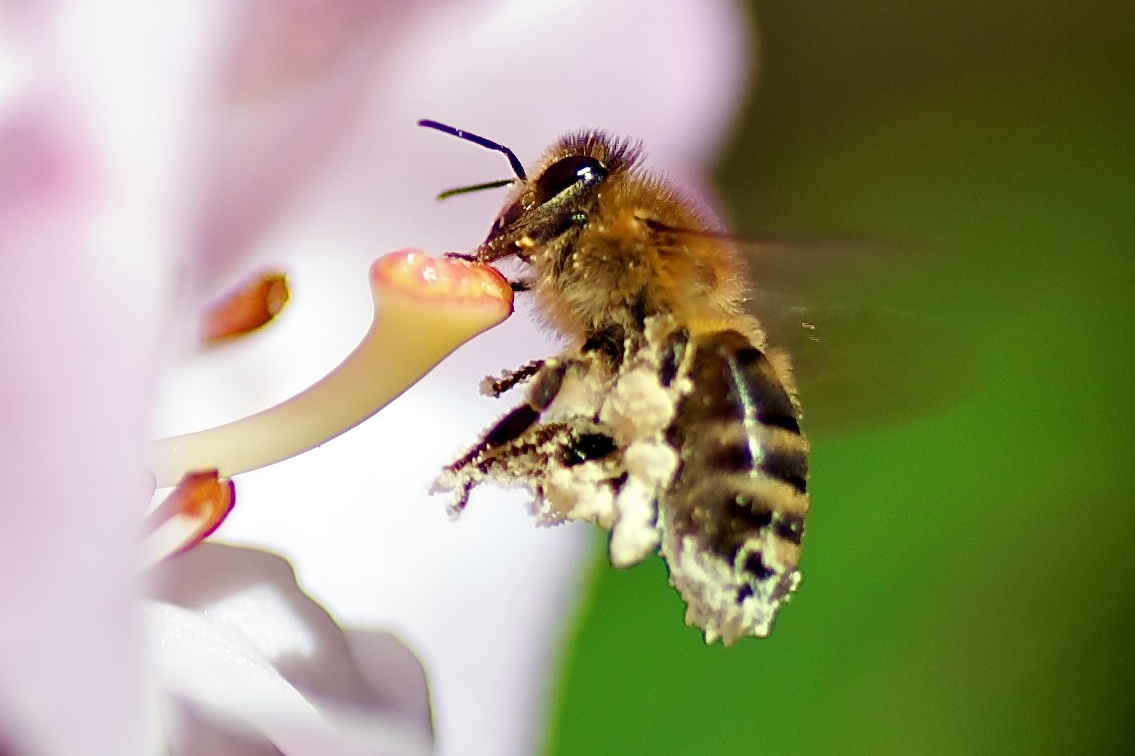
<point>968,568</point>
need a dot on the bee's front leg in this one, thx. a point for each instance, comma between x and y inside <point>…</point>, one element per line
<point>519,285</point>
<point>461,256</point>
<point>494,387</point>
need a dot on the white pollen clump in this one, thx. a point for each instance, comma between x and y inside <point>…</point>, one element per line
<point>652,461</point>
<point>711,587</point>
<point>579,395</point>
<point>639,407</point>
<point>577,493</point>
<point>635,535</point>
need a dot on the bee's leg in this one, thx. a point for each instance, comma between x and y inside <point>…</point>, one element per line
<point>548,460</point>
<point>545,387</point>
<point>528,456</point>
<point>494,387</point>
<point>549,378</point>
<point>461,256</point>
<point>523,284</point>
<point>524,460</point>
<point>527,461</point>
<point>585,446</point>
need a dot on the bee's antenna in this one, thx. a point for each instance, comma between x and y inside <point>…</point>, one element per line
<point>475,188</point>
<point>517,166</point>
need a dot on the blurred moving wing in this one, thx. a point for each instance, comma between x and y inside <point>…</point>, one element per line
<point>860,367</point>
<point>856,366</point>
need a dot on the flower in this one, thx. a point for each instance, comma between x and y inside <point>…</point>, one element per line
<point>253,660</point>
<point>254,663</point>
<point>152,153</point>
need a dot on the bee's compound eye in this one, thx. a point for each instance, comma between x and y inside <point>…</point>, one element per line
<point>564,174</point>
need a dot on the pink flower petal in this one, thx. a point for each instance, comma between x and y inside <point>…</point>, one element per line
<point>75,358</point>
<point>237,641</point>
<point>290,84</point>
<point>92,188</point>
<point>324,101</point>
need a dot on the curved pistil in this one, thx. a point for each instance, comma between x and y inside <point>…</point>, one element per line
<point>424,308</point>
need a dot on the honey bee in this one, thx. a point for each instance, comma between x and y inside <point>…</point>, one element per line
<point>667,419</point>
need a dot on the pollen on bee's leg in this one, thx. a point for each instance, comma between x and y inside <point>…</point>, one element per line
<point>460,501</point>
<point>247,308</point>
<point>193,510</point>
<point>424,308</point>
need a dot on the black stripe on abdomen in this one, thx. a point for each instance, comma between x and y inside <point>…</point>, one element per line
<point>744,461</point>
<point>728,446</point>
<point>788,464</point>
<point>764,389</point>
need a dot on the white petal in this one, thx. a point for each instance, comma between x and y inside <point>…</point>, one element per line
<point>249,653</point>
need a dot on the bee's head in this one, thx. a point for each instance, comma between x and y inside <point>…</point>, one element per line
<point>551,205</point>
<point>554,203</point>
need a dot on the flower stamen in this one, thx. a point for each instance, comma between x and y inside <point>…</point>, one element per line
<point>249,307</point>
<point>196,507</point>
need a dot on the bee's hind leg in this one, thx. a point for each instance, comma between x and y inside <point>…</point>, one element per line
<point>522,461</point>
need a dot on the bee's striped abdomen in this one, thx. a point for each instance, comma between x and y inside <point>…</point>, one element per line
<point>740,493</point>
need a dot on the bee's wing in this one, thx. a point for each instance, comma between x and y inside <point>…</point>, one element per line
<point>808,264</point>
<point>862,366</point>
<point>855,365</point>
